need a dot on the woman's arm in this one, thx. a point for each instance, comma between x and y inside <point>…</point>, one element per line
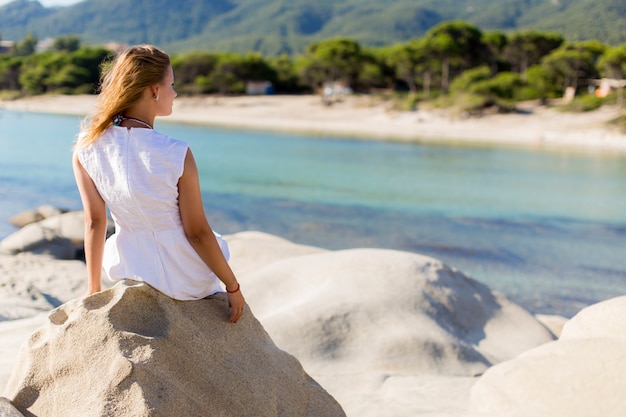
<point>201,237</point>
<point>95,225</point>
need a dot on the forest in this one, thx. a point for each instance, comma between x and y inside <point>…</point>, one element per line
<point>454,62</point>
<point>274,27</point>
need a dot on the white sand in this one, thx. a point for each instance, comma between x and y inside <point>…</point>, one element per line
<point>366,117</point>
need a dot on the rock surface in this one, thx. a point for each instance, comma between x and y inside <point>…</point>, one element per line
<point>60,236</point>
<point>7,409</point>
<point>414,314</point>
<point>130,350</point>
<point>582,374</point>
<point>387,333</point>
<point>30,284</point>
<point>31,216</point>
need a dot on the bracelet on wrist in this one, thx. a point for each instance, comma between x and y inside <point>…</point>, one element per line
<point>235,290</point>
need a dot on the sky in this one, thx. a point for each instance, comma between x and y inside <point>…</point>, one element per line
<point>48,3</point>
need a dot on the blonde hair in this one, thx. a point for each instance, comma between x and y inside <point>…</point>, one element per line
<point>123,82</point>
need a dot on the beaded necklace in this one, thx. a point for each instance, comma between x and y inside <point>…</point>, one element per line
<point>117,121</point>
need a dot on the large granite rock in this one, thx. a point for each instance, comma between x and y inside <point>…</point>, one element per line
<point>132,351</point>
<point>387,333</point>
<point>60,236</point>
<point>7,409</point>
<point>393,311</point>
<point>582,374</point>
<point>31,216</point>
<point>30,284</point>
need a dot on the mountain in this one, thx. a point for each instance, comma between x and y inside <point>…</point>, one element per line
<point>276,26</point>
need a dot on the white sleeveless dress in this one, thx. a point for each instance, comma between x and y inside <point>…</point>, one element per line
<point>136,171</point>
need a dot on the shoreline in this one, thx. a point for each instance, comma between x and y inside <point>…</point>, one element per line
<point>363,117</point>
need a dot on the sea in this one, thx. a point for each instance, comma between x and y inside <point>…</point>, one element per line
<point>546,228</point>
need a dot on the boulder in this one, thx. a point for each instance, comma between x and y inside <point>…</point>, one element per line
<point>553,322</point>
<point>388,310</point>
<point>602,320</point>
<point>70,225</point>
<point>13,333</point>
<point>131,350</point>
<point>582,374</point>
<point>31,216</point>
<point>61,236</point>
<point>7,409</point>
<point>21,299</point>
<point>36,239</point>
<point>252,250</point>
<point>32,283</point>
<point>385,332</point>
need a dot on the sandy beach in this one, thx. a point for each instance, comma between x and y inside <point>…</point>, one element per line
<point>533,126</point>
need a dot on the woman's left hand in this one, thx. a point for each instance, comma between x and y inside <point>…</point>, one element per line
<point>236,302</point>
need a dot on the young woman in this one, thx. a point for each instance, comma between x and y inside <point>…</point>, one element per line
<point>150,184</point>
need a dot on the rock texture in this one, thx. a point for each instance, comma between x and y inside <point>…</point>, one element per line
<point>31,284</point>
<point>60,235</point>
<point>131,351</point>
<point>31,216</point>
<point>414,314</point>
<point>582,374</point>
<point>387,333</point>
<point>7,409</point>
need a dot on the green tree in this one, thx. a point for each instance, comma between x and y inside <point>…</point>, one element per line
<point>253,67</point>
<point>10,72</point>
<point>69,43</point>
<point>375,70</point>
<point>26,46</point>
<point>487,90</point>
<point>613,62</point>
<point>87,62</point>
<point>336,60</point>
<point>35,71</point>
<point>65,72</point>
<point>225,77</point>
<point>192,70</point>
<point>574,63</point>
<point>613,65</point>
<point>286,75</point>
<point>465,82</point>
<point>408,60</point>
<point>457,46</point>
<point>310,71</point>
<point>528,48</point>
<point>495,42</point>
<point>67,79</point>
<point>540,79</point>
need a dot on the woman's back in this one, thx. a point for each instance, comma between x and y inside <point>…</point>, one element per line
<point>136,171</point>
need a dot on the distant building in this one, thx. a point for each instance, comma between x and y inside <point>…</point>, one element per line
<point>336,88</point>
<point>6,46</point>
<point>259,88</point>
<point>44,45</point>
<point>606,85</point>
<point>115,47</point>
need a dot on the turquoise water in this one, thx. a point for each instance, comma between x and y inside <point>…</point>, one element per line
<point>547,229</point>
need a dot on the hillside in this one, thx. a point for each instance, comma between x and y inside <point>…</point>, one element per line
<point>276,26</point>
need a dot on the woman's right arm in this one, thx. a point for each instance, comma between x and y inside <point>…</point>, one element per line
<point>94,208</point>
